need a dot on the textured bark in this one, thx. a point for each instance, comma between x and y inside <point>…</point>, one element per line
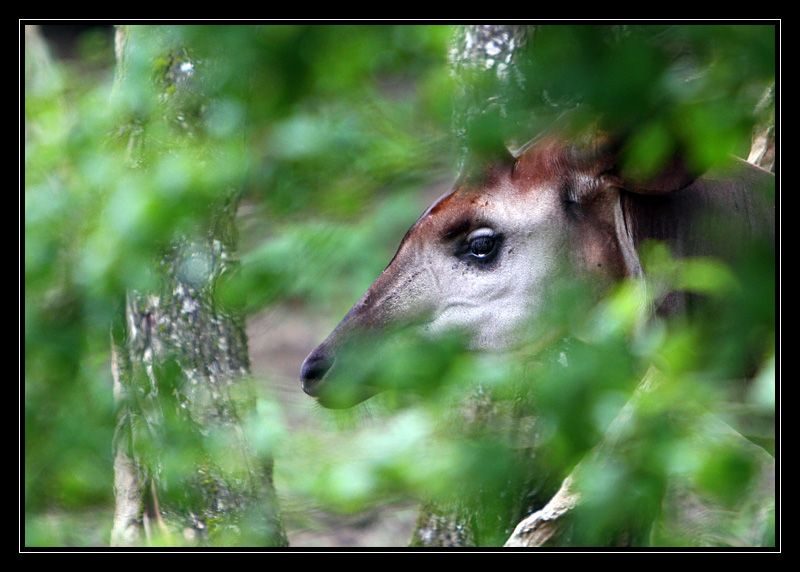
<point>762,150</point>
<point>487,516</point>
<point>482,61</point>
<point>545,525</point>
<point>182,366</point>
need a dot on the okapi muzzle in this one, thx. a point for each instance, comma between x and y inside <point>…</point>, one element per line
<point>397,295</point>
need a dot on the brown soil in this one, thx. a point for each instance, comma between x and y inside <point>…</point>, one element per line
<point>280,338</point>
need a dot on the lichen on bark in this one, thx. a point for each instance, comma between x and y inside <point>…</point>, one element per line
<point>184,470</point>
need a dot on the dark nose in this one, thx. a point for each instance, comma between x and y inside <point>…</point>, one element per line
<point>314,368</point>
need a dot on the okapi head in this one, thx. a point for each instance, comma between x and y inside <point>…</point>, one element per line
<point>481,258</point>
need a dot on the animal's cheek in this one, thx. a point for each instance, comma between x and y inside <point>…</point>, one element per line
<point>501,327</point>
<point>599,255</point>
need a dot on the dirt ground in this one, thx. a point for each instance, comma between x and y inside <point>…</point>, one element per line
<point>280,338</point>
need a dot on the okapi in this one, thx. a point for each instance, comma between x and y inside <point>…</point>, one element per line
<point>481,258</point>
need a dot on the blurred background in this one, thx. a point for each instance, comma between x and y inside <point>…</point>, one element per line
<point>333,139</point>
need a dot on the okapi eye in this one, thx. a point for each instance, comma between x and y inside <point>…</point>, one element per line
<point>481,245</point>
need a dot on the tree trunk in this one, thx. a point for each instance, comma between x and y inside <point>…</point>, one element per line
<point>483,63</point>
<point>181,374</point>
<point>485,517</point>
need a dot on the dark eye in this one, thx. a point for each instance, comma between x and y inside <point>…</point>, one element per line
<point>482,246</point>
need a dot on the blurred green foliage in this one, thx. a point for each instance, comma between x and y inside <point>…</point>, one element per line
<point>333,134</point>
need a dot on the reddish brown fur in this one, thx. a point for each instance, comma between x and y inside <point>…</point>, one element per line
<point>597,242</point>
<point>551,162</point>
<point>547,163</point>
<point>442,203</point>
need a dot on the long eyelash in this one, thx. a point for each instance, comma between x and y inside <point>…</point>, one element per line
<point>456,229</point>
<point>571,200</point>
<point>570,193</point>
<point>576,191</point>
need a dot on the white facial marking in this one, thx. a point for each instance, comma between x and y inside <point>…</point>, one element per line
<point>491,302</point>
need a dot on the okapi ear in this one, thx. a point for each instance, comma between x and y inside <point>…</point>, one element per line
<point>671,175</point>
